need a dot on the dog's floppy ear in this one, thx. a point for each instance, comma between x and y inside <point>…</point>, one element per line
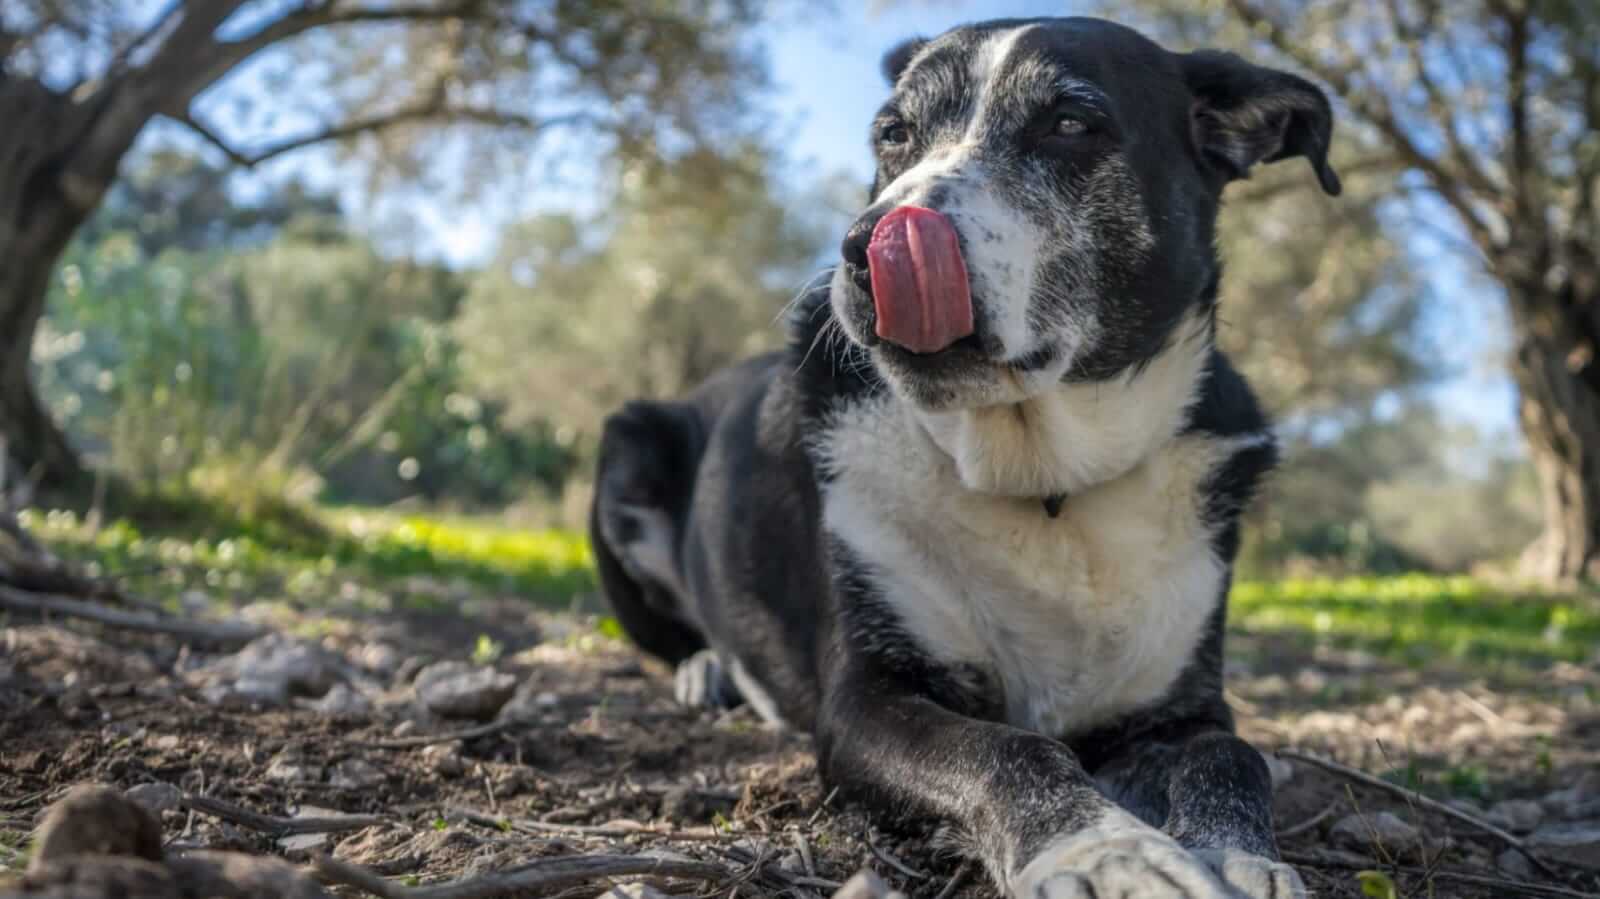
<point>1245,114</point>
<point>896,60</point>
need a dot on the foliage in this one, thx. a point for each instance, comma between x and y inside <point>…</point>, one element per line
<point>684,270</point>
<point>305,358</point>
<point>1420,617</point>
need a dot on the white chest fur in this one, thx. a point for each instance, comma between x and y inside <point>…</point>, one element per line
<point>1078,618</point>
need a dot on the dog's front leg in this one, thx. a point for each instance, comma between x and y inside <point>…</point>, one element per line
<point>1211,792</point>
<point>1035,817</point>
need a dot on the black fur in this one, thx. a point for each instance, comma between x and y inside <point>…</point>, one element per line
<point>737,469</point>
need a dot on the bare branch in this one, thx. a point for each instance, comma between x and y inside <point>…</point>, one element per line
<point>433,109</point>
<point>221,634</point>
<point>166,18</point>
<point>1375,109</point>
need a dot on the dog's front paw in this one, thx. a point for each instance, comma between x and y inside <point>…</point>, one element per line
<point>701,682</point>
<point>1120,858</point>
<point>1254,876</point>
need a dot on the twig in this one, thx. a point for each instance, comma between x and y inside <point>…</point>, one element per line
<point>804,846</point>
<point>1317,860</point>
<point>333,870</point>
<point>591,830</point>
<point>272,824</point>
<point>955,880</point>
<point>559,873</point>
<point>450,736</point>
<point>822,808</point>
<point>887,858</point>
<point>219,634</point>
<point>1309,823</point>
<point>1413,796</point>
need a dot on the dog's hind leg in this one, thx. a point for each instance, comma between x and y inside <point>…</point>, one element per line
<point>1212,794</point>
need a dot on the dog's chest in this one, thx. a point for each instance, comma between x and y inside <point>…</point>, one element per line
<point>1077,619</point>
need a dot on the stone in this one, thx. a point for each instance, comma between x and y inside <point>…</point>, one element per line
<point>635,890</point>
<point>1281,770</point>
<point>95,819</point>
<point>342,701</point>
<point>1580,800</point>
<point>529,703</point>
<point>865,885</point>
<point>1387,828</point>
<point>156,798</point>
<point>288,768</point>
<point>445,758</point>
<point>1575,843</point>
<point>356,774</point>
<point>459,690</point>
<point>1516,815</point>
<point>270,670</point>
<point>378,658</point>
<point>1516,864</point>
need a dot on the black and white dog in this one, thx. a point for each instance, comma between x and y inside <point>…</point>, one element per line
<point>975,528</point>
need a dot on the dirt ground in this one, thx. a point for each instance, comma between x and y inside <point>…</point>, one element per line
<point>590,755</point>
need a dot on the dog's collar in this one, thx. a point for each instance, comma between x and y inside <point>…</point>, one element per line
<point>1052,504</point>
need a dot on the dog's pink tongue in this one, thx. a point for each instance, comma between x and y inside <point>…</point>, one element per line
<point>919,282</point>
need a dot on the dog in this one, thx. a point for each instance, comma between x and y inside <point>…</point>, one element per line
<point>974,528</point>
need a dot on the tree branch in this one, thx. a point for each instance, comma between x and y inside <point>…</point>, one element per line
<point>1376,111</point>
<point>429,110</point>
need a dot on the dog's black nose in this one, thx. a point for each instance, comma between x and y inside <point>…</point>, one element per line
<point>854,249</point>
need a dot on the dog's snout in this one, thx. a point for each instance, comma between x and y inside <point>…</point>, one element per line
<point>854,249</point>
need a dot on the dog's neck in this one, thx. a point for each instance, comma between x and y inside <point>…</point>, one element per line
<point>1075,435</point>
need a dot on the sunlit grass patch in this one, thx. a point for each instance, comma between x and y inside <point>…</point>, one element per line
<point>1418,617</point>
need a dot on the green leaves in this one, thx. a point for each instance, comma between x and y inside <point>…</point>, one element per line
<point>1377,885</point>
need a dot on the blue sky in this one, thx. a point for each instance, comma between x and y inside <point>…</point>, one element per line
<point>827,87</point>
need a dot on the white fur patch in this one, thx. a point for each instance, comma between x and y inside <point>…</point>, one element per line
<point>1072,436</point>
<point>1080,618</point>
<point>1118,856</point>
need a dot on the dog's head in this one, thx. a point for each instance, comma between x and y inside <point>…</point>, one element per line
<point>1045,202</point>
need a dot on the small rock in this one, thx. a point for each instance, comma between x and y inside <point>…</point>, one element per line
<point>1281,770</point>
<point>408,670</point>
<point>157,797</point>
<point>342,702</point>
<point>459,690</point>
<point>1515,864</point>
<point>269,670</point>
<point>95,819</point>
<point>865,885</point>
<point>300,844</point>
<point>1361,831</point>
<point>445,758</point>
<point>635,891</point>
<point>404,729</point>
<point>194,602</point>
<point>292,768</point>
<point>356,774</point>
<point>1580,800</point>
<point>1576,843</point>
<point>379,658</point>
<point>1516,815</point>
<point>529,703</point>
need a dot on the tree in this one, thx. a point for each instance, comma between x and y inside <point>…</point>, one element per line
<point>686,270</point>
<point>1490,112</point>
<point>81,80</point>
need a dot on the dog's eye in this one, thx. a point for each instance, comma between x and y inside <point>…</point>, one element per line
<point>894,134</point>
<point>1068,126</point>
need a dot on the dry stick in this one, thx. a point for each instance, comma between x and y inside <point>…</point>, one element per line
<point>272,824</point>
<point>1309,823</point>
<point>559,873</point>
<point>888,859</point>
<point>1315,860</point>
<point>220,634</point>
<point>955,880</point>
<point>589,830</point>
<point>333,870</point>
<point>470,733</point>
<point>1419,799</point>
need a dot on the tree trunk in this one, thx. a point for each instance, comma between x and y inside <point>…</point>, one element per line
<point>56,160</point>
<point>1558,379</point>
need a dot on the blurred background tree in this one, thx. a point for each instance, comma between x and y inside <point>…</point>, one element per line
<point>1488,115</point>
<point>258,303</point>
<point>80,80</point>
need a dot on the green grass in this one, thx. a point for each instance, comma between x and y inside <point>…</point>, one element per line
<point>270,549</point>
<point>315,553</point>
<point>1420,617</point>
